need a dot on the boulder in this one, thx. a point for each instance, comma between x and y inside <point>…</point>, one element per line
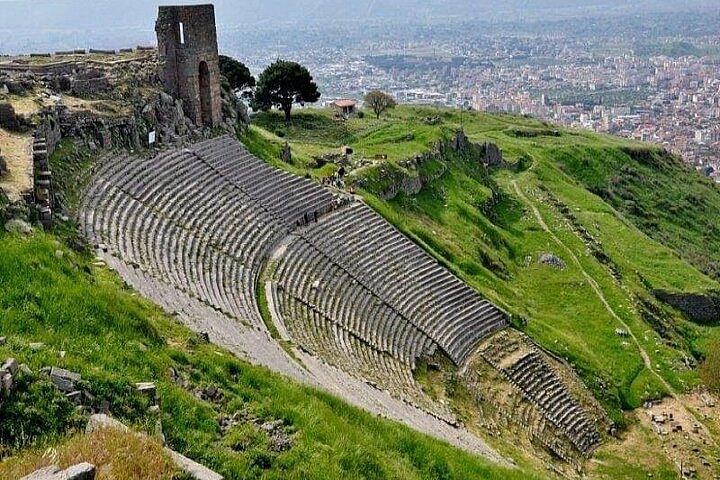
<point>64,380</point>
<point>10,366</point>
<point>82,471</point>
<point>19,227</point>
<point>552,261</point>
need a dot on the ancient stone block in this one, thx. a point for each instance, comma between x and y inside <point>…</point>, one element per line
<point>64,380</point>
<point>147,388</point>
<point>83,471</point>
<point>493,155</point>
<point>187,46</point>
<point>10,366</point>
<point>89,83</point>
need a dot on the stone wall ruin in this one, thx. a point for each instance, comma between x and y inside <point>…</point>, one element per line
<point>187,48</point>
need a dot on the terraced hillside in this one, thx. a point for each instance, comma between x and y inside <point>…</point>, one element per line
<point>355,304</point>
<point>63,308</point>
<point>580,271</point>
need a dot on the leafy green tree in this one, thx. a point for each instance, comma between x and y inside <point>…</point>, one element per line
<point>283,84</point>
<point>379,102</point>
<point>237,74</point>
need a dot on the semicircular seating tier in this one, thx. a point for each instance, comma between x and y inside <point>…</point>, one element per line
<point>363,276</point>
<point>520,362</point>
<point>345,285</point>
<point>202,219</point>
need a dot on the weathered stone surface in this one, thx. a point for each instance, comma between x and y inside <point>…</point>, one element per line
<point>493,155</point>
<point>101,421</point>
<point>147,388</point>
<point>10,366</point>
<point>701,308</point>
<point>192,468</point>
<point>18,226</point>
<point>64,380</point>
<point>187,45</point>
<point>83,471</point>
<point>552,261</point>
<point>46,473</point>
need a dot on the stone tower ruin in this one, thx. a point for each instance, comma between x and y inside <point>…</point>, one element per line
<point>188,51</point>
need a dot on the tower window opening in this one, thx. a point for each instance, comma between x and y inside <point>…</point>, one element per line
<point>182,33</point>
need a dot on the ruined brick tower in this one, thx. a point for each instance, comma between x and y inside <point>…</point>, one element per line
<point>187,46</point>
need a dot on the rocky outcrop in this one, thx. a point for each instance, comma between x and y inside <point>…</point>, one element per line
<point>700,308</point>
<point>410,176</point>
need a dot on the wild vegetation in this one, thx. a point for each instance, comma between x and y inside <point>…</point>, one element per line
<point>61,308</point>
<point>559,194</point>
<point>491,226</point>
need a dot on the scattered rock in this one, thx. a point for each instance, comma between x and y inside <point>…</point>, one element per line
<point>10,366</point>
<point>3,341</point>
<point>64,380</point>
<point>552,261</point>
<point>37,346</point>
<point>147,388</point>
<point>209,394</point>
<point>19,227</point>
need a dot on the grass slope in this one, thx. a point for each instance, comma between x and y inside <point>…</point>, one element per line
<point>481,225</point>
<point>90,323</point>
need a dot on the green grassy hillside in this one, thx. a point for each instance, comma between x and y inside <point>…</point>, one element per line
<point>492,226</point>
<point>88,322</point>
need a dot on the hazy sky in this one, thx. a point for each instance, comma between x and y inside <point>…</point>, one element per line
<point>30,24</point>
<point>100,14</point>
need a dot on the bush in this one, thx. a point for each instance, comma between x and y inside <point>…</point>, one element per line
<point>710,369</point>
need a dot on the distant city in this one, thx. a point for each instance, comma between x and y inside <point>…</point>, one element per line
<point>653,78</point>
<point>647,70</point>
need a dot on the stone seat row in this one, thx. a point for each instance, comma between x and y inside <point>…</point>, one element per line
<point>312,276</point>
<point>289,196</point>
<point>451,313</point>
<point>191,262</point>
<point>544,388</point>
<point>179,218</point>
<point>340,347</point>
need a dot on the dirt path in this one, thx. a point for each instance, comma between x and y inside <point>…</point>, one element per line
<point>15,149</point>
<point>596,288</point>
